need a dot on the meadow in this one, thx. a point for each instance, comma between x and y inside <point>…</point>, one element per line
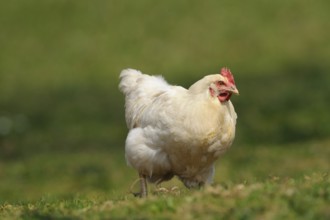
<point>62,126</point>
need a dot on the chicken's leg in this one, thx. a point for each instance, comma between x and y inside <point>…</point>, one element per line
<point>143,184</point>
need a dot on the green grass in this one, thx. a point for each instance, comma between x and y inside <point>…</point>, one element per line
<point>270,182</point>
<point>274,198</point>
<point>62,126</point>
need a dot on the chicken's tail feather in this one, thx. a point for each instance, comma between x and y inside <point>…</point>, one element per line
<point>128,80</point>
<point>132,80</point>
<point>140,91</point>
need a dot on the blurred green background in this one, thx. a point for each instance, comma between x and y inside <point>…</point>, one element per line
<point>61,113</point>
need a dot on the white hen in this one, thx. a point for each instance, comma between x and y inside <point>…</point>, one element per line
<point>175,131</point>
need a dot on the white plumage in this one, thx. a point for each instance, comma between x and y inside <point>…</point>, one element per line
<point>177,131</point>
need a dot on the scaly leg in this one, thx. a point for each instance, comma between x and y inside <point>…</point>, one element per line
<point>143,184</point>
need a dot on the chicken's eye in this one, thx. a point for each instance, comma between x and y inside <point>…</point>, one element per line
<point>220,83</point>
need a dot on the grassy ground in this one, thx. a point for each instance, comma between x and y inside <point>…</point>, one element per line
<point>270,182</point>
<point>274,198</point>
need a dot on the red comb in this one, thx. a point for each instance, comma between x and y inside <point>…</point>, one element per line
<point>225,72</point>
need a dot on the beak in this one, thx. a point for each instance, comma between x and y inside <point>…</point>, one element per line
<point>234,90</point>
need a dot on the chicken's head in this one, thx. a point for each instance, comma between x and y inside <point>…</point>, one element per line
<point>224,86</point>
